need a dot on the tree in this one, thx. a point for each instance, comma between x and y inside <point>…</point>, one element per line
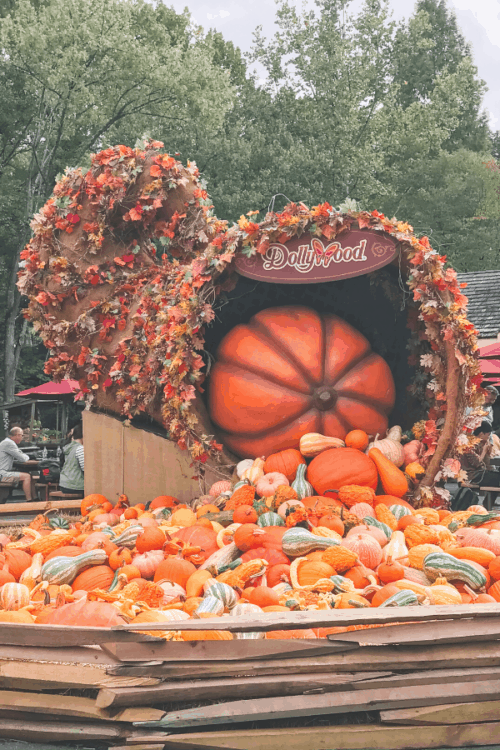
<point>93,72</point>
<point>333,81</point>
<point>429,46</point>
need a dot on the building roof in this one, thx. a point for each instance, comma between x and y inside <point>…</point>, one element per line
<point>483,291</point>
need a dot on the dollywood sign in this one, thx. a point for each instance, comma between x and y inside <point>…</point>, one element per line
<point>310,260</point>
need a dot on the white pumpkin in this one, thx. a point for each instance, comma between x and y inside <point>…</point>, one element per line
<point>392,449</point>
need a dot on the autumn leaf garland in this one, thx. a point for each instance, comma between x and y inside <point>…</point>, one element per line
<point>164,304</point>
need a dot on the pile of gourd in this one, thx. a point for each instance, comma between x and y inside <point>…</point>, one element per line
<point>300,530</point>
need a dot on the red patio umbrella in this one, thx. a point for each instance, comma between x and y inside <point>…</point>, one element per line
<point>51,389</point>
<point>64,392</point>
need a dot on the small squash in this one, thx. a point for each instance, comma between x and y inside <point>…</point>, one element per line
<point>392,479</point>
<point>285,462</point>
<point>357,439</point>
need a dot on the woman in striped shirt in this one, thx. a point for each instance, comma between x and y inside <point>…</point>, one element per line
<point>71,479</point>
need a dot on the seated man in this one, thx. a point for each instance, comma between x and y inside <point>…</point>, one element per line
<point>477,462</point>
<point>71,479</point>
<point>9,452</point>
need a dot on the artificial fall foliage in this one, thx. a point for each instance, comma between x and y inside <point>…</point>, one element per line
<point>142,336</point>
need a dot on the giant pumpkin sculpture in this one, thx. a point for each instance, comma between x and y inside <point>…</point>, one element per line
<point>291,371</point>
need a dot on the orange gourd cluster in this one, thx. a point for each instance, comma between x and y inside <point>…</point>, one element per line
<point>289,532</point>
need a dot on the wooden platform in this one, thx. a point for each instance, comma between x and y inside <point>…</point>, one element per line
<point>423,677</point>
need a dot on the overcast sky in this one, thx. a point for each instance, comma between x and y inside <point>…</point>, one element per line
<point>479,21</point>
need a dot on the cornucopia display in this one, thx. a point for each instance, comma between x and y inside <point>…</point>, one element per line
<point>321,528</point>
<point>124,270</point>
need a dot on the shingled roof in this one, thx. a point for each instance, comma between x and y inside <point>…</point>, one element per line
<point>483,291</point>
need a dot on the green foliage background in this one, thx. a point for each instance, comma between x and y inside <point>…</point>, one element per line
<point>343,106</point>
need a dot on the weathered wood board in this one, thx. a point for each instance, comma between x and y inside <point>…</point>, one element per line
<point>269,709</point>
<point>246,687</point>
<point>402,658</point>
<point>345,737</point>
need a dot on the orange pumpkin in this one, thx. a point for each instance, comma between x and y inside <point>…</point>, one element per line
<point>5,576</point>
<point>84,613</point>
<point>206,635</point>
<point>358,574</point>
<point>392,500</point>
<point>130,513</point>
<point>292,371</point>
<point>66,551</point>
<point>336,467</point>
<point>18,561</point>
<point>248,536</point>
<point>245,514</point>
<point>264,596</point>
<point>384,593</point>
<point>278,574</point>
<point>333,522</point>
<point>390,571</point>
<point>151,538</point>
<point>91,500</point>
<point>494,591</point>
<point>203,537</point>
<point>119,557</point>
<point>357,439</point>
<point>291,634</point>
<point>174,569</point>
<point>285,462</point>
<point>130,571</point>
<point>494,569</point>
<point>98,577</point>
<point>163,501</point>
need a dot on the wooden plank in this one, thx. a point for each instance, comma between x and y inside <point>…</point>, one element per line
<point>55,636</point>
<point>269,709</point>
<point>55,731</point>
<point>395,658</point>
<point>332,618</point>
<point>69,706</point>
<point>19,675</point>
<point>461,713</point>
<point>137,713</point>
<point>345,737</point>
<point>245,687</point>
<point>76,655</point>
<point>39,507</point>
<point>197,651</point>
<point>431,677</point>
<point>455,631</point>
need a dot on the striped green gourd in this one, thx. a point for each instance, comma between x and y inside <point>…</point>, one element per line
<point>478,519</point>
<point>298,541</point>
<point>398,511</point>
<point>210,605</point>
<point>282,588</point>
<point>230,566</point>
<point>128,537</point>
<point>300,483</point>
<point>342,585</point>
<point>378,525</point>
<point>270,519</point>
<point>404,598</point>
<point>442,565</point>
<point>222,557</point>
<point>61,570</point>
<point>221,591</point>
